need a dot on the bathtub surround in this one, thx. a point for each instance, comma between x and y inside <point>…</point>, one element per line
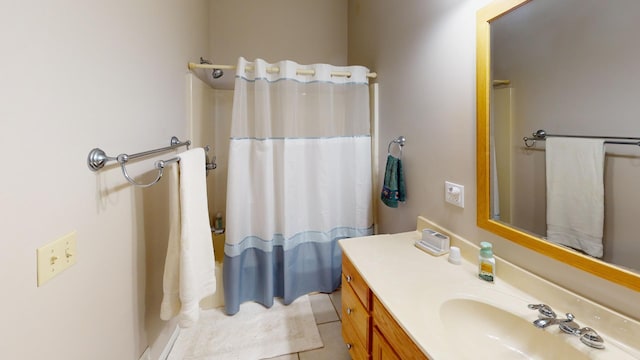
<point>299,179</point>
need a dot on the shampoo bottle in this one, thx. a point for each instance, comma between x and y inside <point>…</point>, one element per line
<point>486,262</point>
<point>218,224</point>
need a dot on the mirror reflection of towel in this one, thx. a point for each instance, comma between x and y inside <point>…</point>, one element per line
<point>393,189</point>
<point>575,193</point>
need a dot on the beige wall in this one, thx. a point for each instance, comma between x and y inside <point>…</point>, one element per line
<point>305,31</point>
<point>424,53</point>
<point>77,75</point>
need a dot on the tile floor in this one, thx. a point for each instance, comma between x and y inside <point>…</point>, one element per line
<point>326,310</point>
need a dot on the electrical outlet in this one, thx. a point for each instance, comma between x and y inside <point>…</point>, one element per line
<point>56,257</point>
<point>454,194</point>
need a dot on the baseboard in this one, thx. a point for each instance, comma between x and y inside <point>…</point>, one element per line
<point>146,355</point>
<point>164,355</point>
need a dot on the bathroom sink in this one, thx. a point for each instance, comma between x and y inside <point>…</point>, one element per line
<point>479,330</point>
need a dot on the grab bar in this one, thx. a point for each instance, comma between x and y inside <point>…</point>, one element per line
<point>97,159</point>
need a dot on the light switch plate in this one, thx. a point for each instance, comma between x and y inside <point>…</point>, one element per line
<point>56,257</point>
<point>454,194</point>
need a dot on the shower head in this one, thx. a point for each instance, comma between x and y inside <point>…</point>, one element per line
<point>217,73</point>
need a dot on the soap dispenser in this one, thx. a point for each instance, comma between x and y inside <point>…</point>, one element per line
<point>486,262</point>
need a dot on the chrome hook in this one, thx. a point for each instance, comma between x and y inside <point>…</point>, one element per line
<point>527,140</point>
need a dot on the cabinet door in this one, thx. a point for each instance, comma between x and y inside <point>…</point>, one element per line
<point>357,350</point>
<point>398,340</point>
<point>380,348</point>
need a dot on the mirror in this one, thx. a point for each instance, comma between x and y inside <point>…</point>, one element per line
<point>552,103</point>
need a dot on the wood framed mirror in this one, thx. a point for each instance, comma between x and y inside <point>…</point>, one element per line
<point>616,274</point>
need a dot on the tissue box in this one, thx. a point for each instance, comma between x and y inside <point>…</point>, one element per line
<point>433,242</point>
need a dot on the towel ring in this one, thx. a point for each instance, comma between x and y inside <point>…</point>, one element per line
<point>400,141</point>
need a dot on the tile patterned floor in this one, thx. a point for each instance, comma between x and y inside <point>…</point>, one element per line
<point>326,309</point>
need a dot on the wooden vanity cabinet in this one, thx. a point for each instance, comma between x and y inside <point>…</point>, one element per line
<point>394,342</point>
<point>356,316</point>
<point>381,349</point>
<point>368,329</point>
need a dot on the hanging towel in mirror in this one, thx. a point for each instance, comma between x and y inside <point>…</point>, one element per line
<point>393,189</point>
<point>575,193</point>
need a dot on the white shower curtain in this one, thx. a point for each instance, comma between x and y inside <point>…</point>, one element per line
<point>299,179</point>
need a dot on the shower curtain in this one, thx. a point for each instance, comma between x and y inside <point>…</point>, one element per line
<point>299,179</point>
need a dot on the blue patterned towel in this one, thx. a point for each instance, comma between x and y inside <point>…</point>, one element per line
<point>393,189</point>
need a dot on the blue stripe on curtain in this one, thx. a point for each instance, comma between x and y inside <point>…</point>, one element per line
<point>306,236</point>
<point>257,274</point>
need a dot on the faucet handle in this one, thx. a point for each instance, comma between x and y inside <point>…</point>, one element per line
<point>544,311</point>
<point>590,337</point>
<point>569,326</point>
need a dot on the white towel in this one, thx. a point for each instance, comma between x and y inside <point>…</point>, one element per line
<point>575,193</point>
<point>189,271</point>
<point>170,305</point>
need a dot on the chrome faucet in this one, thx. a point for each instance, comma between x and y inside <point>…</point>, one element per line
<point>547,317</point>
<point>590,337</point>
<point>544,311</point>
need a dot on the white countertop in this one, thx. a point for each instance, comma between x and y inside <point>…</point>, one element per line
<point>412,285</point>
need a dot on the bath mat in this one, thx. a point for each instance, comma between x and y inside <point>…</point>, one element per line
<point>255,332</point>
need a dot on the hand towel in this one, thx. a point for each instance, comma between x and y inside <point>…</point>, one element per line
<point>189,274</point>
<point>393,189</point>
<point>575,193</point>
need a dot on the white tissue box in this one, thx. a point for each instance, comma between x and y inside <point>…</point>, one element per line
<point>433,242</point>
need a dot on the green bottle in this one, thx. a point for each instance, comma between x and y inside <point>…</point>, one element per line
<point>486,262</point>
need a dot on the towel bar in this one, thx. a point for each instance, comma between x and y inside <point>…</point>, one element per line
<point>97,159</point>
<point>542,135</point>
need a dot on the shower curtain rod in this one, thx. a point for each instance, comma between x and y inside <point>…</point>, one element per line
<point>273,69</point>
